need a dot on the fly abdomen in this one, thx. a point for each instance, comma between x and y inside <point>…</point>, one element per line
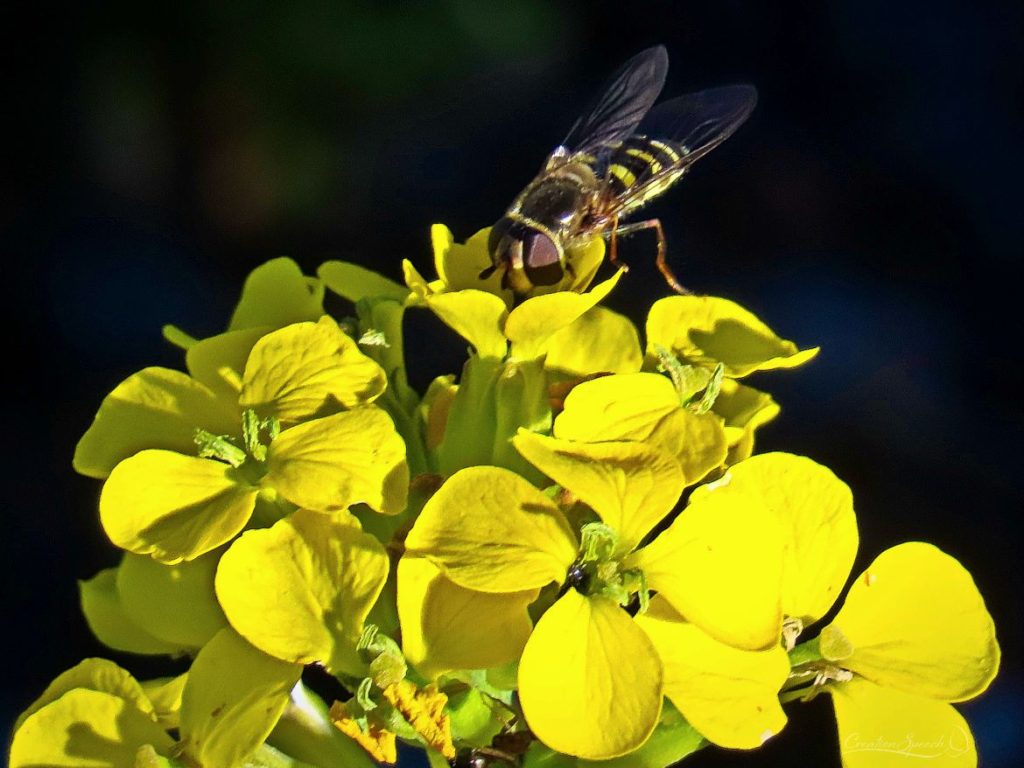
<point>639,159</point>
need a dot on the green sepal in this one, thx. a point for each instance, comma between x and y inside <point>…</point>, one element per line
<point>470,433</point>
<point>714,386</point>
<point>673,739</point>
<point>475,720</point>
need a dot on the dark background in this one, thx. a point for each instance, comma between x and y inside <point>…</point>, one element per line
<point>871,206</point>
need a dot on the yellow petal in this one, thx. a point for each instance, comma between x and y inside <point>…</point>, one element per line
<point>232,700</point>
<point>174,507</point>
<point>599,340</point>
<point>331,463</point>
<point>816,511</point>
<point>106,618</point>
<point>590,682</point>
<point>744,410</point>
<point>277,294</point>
<point>491,531</point>
<point>476,316</point>
<point>883,728</point>
<point>530,325</point>
<point>307,370</point>
<point>423,709</point>
<point>86,729</point>
<point>446,627</point>
<point>644,407</point>
<point>302,589</point>
<point>219,361</point>
<point>154,408</point>
<point>917,622</point>
<point>730,695</point>
<point>708,330</point>
<point>459,265</point>
<point>96,675</point>
<point>355,283</point>
<point>623,407</point>
<point>720,565</point>
<point>585,258</point>
<point>435,407</point>
<point>174,603</point>
<point>630,485</point>
<point>165,694</point>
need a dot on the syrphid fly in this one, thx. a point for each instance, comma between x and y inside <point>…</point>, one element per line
<point>618,156</point>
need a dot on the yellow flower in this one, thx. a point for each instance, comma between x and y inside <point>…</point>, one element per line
<point>912,636</point>
<point>299,372</point>
<point>590,679</point>
<point>495,331</point>
<point>728,693</point>
<point>162,500</point>
<point>459,265</point>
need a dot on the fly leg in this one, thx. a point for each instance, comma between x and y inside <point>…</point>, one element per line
<point>613,245</point>
<point>663,267</point>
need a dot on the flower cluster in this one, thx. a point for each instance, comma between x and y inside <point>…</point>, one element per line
<point>567,555</point>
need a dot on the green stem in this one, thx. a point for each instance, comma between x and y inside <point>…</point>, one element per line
<point>794,695</point>
<point>805,653</point>
<point>305,733</point>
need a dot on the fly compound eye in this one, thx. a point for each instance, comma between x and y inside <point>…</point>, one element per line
<point>541,259</point>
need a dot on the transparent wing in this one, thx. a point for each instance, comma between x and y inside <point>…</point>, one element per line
<point>701,121</point>
<point>622,104</point>
<point>692,125</point>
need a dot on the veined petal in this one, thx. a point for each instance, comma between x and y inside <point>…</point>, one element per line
<point>96,675</point>
<point>644,407</point>
<point>590,681</point>
<point>744,410</point>
<point>101,606</point>
<point>446,627</point>
<point>174,507</point>
<point>491,531</point>
<point>815,509</point>
<point>709,330</point>
<point>623,407</point>
<point>307,370</point>
<point>631,486</point>
<point>356,283</point>
<point>233,697</point>
<point>720,565</point>
<point>174,603</point>
<point>331,463</point>
<point>477,316</point>
<point>301,590</point>
<point>531,324</point>
<point>916,622</point>
<point>730,695</point>
<point>883,728</point>
<point>219,361</point>
<point>459,265</point>
<point>84,729</point>
<point>277,294</point>
<point>154,408</point>
<point>598,341</point>
<point>586,257</point>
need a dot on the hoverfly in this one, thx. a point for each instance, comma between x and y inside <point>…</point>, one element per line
<point>619,155</point>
